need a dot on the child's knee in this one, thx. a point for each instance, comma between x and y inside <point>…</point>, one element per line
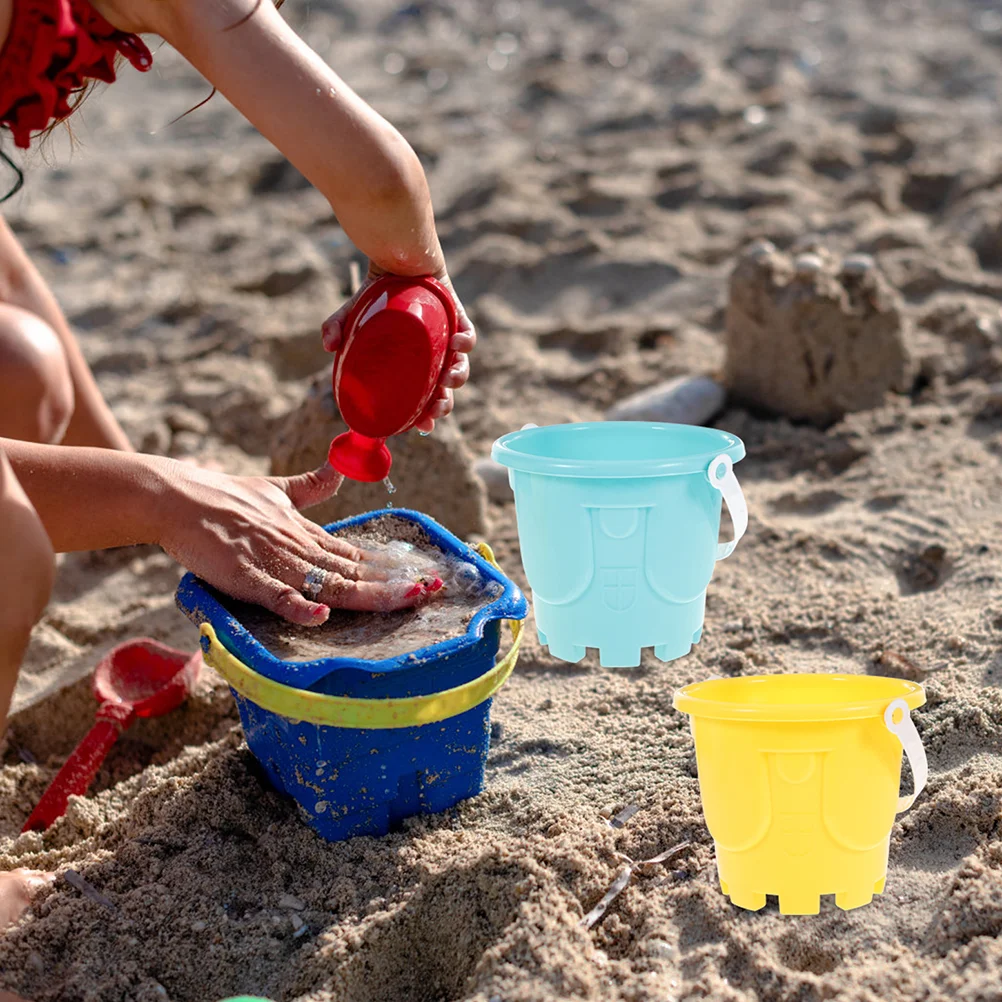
<point>36,402</point>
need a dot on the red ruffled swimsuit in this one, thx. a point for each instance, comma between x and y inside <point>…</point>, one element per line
<point>53,48</point>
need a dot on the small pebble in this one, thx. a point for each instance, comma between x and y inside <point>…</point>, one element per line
<point>606,812</point>
<point>808,264</point>
<point>661,948</point>
<point>290,901</point>
<point>297,922</point>
<point>858,264</point>
<point>198,926</point>
<point>690,400</point>
<point>761,249</point>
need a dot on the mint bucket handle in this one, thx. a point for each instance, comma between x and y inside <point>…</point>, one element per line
<point>720,473</point>
<point>904,731</point>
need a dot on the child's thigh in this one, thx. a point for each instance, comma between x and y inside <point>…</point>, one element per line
<point>36,388</point>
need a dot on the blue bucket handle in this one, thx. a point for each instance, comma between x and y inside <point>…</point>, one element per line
<point>720,473</point>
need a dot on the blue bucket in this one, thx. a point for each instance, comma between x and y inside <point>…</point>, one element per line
<point>369,743</point>
<point>618,522</point>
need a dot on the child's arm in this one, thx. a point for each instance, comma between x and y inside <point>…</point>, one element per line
<point>370,175</point>
<point>365,168</point>
<point>244,535</point>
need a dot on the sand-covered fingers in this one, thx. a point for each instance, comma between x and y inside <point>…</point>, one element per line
<point>310,488</point>
<point>372,596</point>
<point>17,888</point>
<point>334,544</point>
<point>281,598</point>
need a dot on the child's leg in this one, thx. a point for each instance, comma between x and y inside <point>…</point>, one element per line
<point>25,582</point>
<point>37,399</point>
<point>22,287</point>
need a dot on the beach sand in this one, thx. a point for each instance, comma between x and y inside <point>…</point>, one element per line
<point>597,170</point>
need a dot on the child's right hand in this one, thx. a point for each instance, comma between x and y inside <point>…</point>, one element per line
<point>463,342</point>
<point>246,537</point>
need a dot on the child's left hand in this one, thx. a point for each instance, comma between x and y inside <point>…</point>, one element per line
<point>463,342</point>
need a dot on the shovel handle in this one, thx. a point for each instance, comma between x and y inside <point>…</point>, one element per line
<point>76,775</point>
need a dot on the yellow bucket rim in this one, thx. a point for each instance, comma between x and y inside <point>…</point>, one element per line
<point>303,706</point>
<point>703,699</point>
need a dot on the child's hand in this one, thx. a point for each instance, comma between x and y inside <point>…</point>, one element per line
<point>17,888</point>
<point>463,342</point>
<point>245,536</point>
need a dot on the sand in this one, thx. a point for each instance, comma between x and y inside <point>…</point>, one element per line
<point>598,169</point>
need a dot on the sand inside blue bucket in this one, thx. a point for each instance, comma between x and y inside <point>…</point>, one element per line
<point>405,551</point>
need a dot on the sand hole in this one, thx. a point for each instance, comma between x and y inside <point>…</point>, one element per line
<point>430,947</point>
<point>814,503</point>
<point>923,570</point>
<point>802,954</point>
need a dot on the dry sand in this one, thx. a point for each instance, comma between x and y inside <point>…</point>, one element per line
<point>597,169</point>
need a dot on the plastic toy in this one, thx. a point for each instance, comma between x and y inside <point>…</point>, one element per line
<point>386,371</point>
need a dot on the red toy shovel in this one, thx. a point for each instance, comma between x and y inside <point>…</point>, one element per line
<point>141,678</point>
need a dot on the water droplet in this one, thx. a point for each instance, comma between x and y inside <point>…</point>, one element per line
<point>506,44</point>
<point>990,22</point>
<point>497,61</point>
<point>437,79</point>
<point>755,115</point>
<point>394,64</point>
<point>618,57</point>
<point>387,483</point>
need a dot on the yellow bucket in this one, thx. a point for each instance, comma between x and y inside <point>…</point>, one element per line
<point>799,778</point>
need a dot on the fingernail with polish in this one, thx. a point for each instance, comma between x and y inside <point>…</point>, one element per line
<point>415,591</point>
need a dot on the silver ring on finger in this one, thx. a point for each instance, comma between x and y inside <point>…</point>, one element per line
<point>313,584</point>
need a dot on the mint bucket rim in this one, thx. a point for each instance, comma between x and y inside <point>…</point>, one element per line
<point>697,705</point>
<point>670,463</point>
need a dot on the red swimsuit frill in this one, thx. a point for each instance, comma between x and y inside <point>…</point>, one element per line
<point>52,49</point>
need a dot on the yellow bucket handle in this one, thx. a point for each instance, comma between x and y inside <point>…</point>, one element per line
<point>904,730</point>
<point>351,712</point>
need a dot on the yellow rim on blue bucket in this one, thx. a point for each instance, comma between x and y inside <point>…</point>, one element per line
<point>352,712</point>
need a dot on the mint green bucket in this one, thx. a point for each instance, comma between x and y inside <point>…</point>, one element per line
<point>618,523</point>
